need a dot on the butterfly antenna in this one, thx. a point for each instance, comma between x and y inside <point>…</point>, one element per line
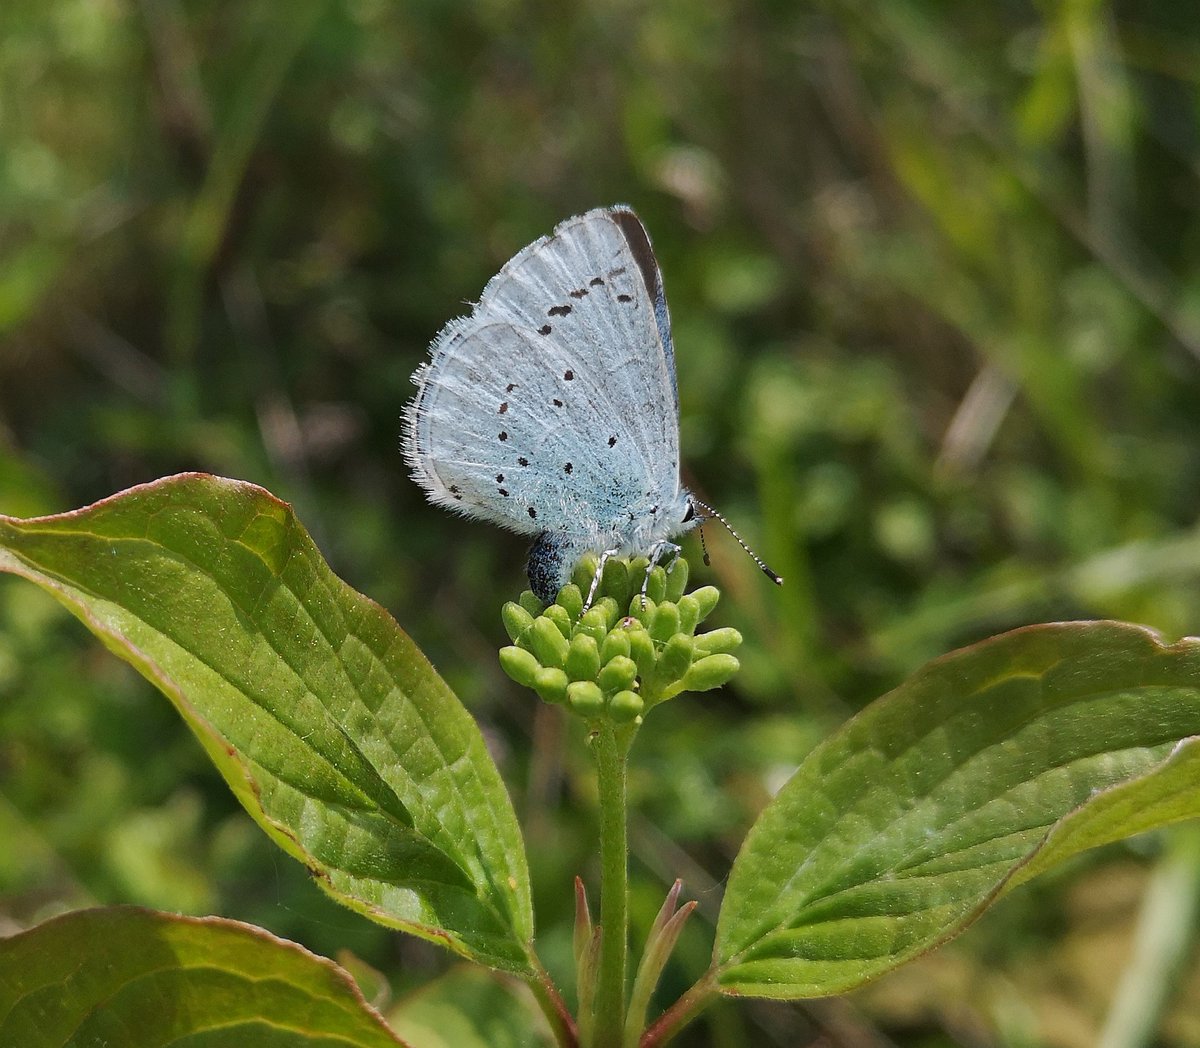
<point>703,544</point>
<point>712,514</point>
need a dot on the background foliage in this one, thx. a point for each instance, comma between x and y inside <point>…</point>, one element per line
<point>935,281</point>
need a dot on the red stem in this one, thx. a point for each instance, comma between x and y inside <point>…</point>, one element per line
<point>562,1023</point>
<point>682,1012</point>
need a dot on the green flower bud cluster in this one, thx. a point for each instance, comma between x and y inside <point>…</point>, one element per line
<point>622,655</point>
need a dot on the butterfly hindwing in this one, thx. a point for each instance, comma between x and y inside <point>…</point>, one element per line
<point>553,404</point>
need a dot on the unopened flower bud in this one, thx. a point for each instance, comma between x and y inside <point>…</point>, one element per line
<point>594,622</point>
<point>585,571</point>
<point>530,603</point>
<point>725,639</point>
<point>641,610</point>
<point>583,658</point>
<point>641,650</point>
<point>585,698</point>
<point>550,684</point>
<point>616,576</point>
<point>609,609</point>
<point>706,598</point>
<point>664,622</point>
<point>616,642</point>
<point>656,584</point>
<point>689,613</point>
<point>547,642</point>
<point>520,665</point>
<point>710,672</point>
<point>516,620</point>
<point>618,674</point>
<point>559,616</point>
<point>571,599</point>
<point>674,661</point>
<point>625,706</point>
<point>677,578</point>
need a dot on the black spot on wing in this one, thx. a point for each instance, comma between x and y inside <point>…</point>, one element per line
<point>624,298</point>
<point>510,387</point>
<point>545,329</point>
<point>503,407</point>
<point>568,376</point>
<point>596,282</point>
<point>612,441</point>
<point>567,468</point>
<point>503,435</point>
<point>558,311</point>
<point>579,292</point>
<point>532,513</point>
<point>522,461</point>
<point>557,403</point>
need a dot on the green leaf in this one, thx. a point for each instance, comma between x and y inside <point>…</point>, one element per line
<point>322,715</point>
<point>471,1008</point>
<point>984,768</point>
<point>132,977</point>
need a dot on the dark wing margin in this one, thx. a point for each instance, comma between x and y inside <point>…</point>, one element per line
<point>643,254</point>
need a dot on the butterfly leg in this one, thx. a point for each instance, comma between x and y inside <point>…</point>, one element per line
<point>596,577</point>
<point>657,552</point>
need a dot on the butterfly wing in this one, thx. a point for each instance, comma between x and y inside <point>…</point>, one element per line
<point>554,403</point>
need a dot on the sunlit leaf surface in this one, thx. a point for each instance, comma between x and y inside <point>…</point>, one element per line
<point>330,726</point>
<point>136,978</point>
<point>986,766</point>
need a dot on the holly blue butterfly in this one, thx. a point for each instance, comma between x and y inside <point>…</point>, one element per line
<point>552,409</point>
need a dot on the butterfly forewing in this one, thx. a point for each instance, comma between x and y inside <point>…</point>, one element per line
<point>553,404</point>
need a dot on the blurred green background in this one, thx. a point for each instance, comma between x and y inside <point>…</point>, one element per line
<point>934,271</point>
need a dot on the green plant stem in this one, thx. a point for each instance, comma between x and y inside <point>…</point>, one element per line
<point>611,747</point>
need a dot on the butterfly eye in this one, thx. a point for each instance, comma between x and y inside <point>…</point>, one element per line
<point>691,512</point>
